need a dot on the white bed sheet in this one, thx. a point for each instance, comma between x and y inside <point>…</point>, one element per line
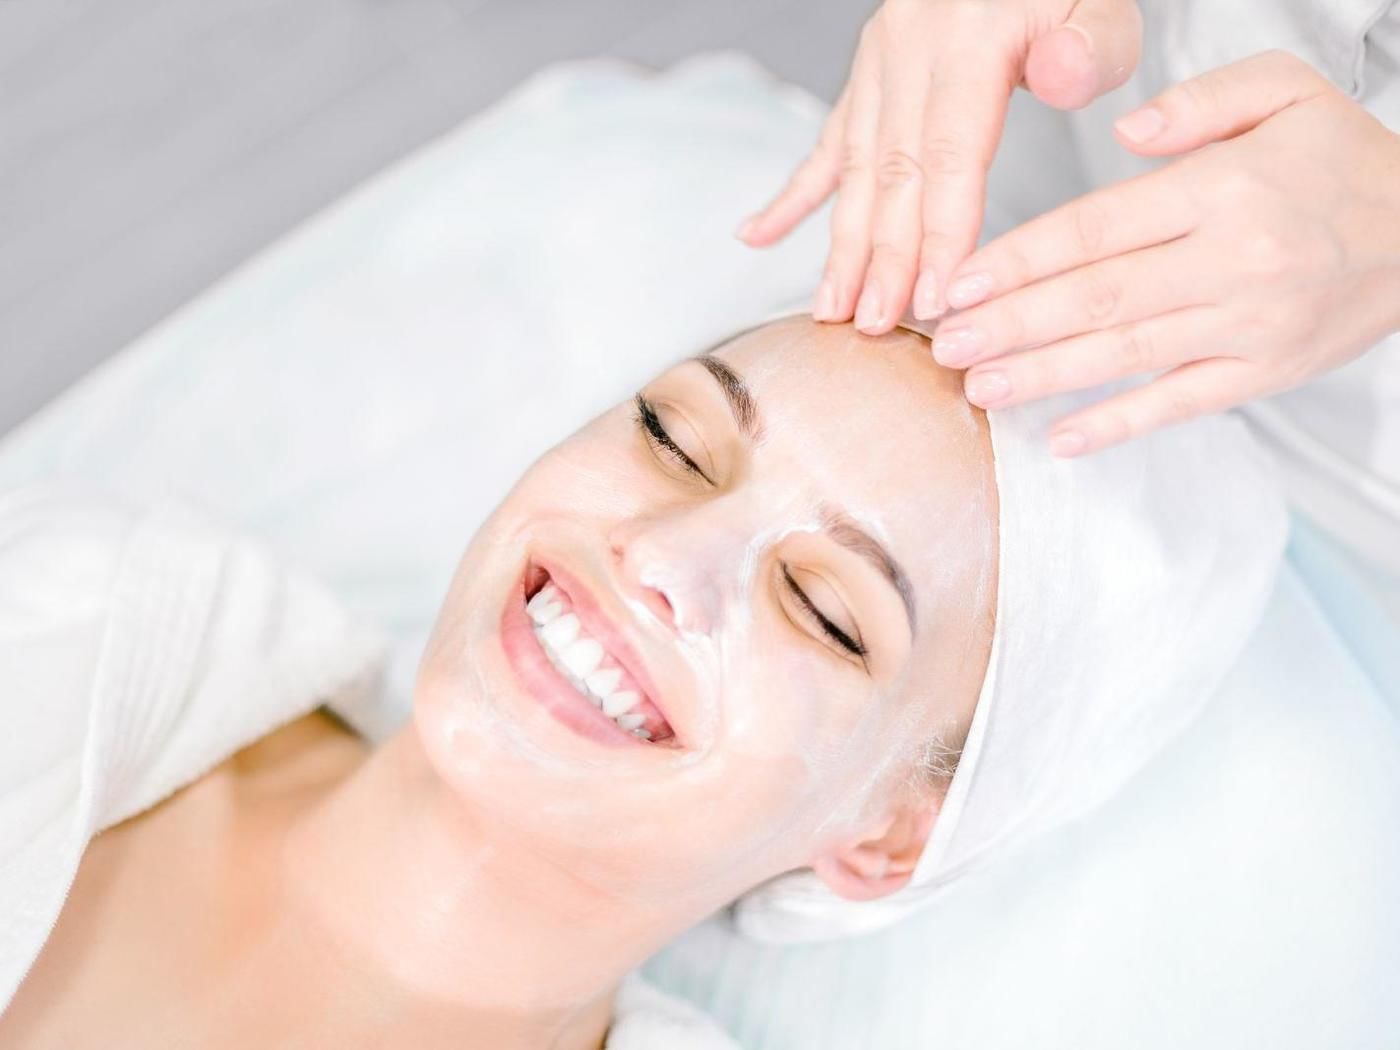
<point>363,392</point>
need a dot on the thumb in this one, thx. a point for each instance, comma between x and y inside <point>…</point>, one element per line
<point>1095,50</point>
<point>1220,104</point>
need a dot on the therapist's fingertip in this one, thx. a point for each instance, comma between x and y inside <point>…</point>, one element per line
<point>1060,68</point>
<point>746,228</point>
<point>987,389</point>
<point>1066,444</point>
<point>870,311</point>
<point>926,306</point>
<point>824,301</point>
<point>969,290</point>
<point>1141,126</point>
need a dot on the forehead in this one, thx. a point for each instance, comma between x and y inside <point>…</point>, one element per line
<point>801,364</point>
<point>874,426</point>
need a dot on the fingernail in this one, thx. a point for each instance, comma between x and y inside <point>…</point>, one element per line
<point>1068,443</point>
<point>955,347</point>
<point>1142,126</point>
<point>870,311</point>
<point>926,296</point>
<point>970,290</point>
<point>746,227</point>
<point>987,388</point>
<point>824,302</point>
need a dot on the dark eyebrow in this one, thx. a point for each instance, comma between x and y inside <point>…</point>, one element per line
<point>834,523</point>
<point>854,538</point>
<point>736,392</point>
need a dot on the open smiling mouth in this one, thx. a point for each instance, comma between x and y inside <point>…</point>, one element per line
<point>586,678</point>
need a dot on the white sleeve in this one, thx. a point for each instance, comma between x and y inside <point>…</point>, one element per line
<point>1193,36</point>
<point>1337,439</point>
<point>59,557</point>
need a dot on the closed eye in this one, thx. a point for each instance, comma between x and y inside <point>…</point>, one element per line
<point>852,645</point>
<point>650,425</point>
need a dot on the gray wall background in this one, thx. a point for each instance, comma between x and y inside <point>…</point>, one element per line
<point>147,147</point>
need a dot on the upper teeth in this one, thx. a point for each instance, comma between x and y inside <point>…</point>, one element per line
<point>579,658</point>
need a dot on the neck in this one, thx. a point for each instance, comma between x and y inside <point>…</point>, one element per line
<point>418,919</point>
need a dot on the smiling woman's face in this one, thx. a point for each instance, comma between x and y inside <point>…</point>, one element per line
<point>754,596</point>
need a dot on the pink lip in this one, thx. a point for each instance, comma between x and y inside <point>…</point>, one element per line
<point>548,686</point>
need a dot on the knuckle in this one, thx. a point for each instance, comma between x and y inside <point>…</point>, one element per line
<point>827,151</point>
<point>1014,263</point>
<point>1101,298</point>
<point>1204,94</point>
<point>1135,352</point>
<point>888,254</point>
<point>945,156</point>
<point>1237,186</point>
<point>934,249</point>
<point>1265,255</point>
<point>852,158</point>
<point>897,169</point>
<point>1111,425</point>
<point>854,163</point>
<point>1179,406</point>
<point>1090,225</point>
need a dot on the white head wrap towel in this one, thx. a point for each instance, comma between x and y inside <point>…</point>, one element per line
<point>1129,582</point>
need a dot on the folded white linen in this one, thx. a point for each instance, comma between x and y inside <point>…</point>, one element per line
<point>137,651</point>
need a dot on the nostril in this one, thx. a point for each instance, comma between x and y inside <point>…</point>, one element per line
<point>660,606</point>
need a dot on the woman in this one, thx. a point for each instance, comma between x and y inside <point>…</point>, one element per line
<point>708,640</point>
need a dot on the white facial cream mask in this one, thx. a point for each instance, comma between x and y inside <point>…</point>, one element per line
<point>789,549</point>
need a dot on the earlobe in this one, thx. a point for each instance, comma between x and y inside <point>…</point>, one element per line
<point>881,864</point>
<point>855,881</point>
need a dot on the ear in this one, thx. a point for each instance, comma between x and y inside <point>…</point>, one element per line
<point>884,860</point>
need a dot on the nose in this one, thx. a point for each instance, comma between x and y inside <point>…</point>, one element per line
<point>676,565</point>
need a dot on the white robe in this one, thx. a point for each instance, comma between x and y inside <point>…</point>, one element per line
<point>1338,437</point>
<point>138,650</point>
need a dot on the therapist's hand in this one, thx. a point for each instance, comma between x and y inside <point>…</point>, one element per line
<point>913,133</point>
<point>1265,257</point>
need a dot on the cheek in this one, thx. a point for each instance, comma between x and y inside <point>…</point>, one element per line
<point>806,738</point>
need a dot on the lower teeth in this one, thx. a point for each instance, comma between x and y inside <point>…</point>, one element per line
<point>633,722</point>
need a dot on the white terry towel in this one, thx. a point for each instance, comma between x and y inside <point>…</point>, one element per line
<point>137,652</point>
<point>1129,583</point>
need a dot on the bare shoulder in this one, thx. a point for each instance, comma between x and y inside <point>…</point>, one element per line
<point>303,754</point>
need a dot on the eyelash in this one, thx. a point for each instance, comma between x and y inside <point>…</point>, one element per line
<point>840,637</point>
<point>650,425</point>
<point>652,429</point>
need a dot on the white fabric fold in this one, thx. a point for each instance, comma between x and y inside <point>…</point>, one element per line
<point>1129,582</point>
<point>137,651</point>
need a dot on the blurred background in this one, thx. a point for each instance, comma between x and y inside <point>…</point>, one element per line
<point>149,147</point>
